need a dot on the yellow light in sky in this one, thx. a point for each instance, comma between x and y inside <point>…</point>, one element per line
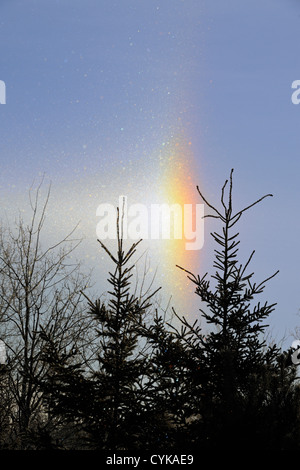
<point>178,186</point>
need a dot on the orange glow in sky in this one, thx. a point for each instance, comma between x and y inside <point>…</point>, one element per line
<point>178,186</point>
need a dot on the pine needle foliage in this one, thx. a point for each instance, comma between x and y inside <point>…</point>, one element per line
<point>236,365</point>
<point>122,362</point>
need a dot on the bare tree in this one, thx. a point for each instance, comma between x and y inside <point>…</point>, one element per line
<point>41,291</point>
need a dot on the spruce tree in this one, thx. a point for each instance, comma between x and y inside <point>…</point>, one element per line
<point>223,387</point>
<point>108,402</point>
<point>122,363</point>
<point>234,388</point>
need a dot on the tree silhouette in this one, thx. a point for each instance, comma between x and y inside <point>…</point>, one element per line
<point>41,289</point>
<point>108,403</point>
<point>237,368</point>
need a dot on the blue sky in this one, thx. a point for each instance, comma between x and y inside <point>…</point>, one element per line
<point>96,89</point>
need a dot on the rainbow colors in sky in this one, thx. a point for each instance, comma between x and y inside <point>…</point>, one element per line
<point>179,186</point>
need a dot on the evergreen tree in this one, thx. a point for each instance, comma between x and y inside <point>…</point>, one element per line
<point>109,403</point>
<point>237,368</point>
<point>174,377</point>
<point>226,387</point>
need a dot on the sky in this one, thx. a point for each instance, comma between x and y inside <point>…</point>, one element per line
<point>149,99</point>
